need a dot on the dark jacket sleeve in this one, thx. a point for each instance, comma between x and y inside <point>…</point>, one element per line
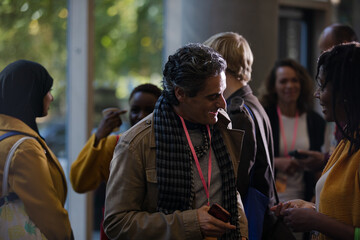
<point>274,121</point>
<point>241,119</point>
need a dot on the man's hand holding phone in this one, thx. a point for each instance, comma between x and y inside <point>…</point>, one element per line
<point>219,212</point>
<point>212,226</point>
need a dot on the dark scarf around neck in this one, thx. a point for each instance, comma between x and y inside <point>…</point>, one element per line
<point>174,168</point>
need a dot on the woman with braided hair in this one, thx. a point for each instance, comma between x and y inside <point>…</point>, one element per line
<point>336,214</point>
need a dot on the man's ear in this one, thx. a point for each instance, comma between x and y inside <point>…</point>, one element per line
<point>179,94</point>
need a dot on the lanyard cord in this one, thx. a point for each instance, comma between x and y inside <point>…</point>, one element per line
<point>283,131</point>
<point>206,188</point>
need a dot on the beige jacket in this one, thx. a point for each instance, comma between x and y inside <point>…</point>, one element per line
<point>36,176</point>
<point>131,195</point>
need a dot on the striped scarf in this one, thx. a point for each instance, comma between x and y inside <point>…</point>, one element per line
<point>174,168</point>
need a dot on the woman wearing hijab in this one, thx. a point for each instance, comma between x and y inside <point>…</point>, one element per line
<point>35,175</point>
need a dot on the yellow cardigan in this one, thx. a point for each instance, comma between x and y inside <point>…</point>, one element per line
<point>340,196</point>
<point>36,176</point>
<point>92,165</point>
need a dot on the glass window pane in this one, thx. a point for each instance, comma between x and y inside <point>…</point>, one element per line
<point>36,31</point>
<point>128,52</point>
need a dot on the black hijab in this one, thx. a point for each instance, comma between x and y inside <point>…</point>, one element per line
<point>23,86</point>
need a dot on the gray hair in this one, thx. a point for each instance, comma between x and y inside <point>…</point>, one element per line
<point>189,68</point>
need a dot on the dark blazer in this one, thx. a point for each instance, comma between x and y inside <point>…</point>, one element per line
<point>316,129</point>
<point>253,155</point>
<point>253,146</point>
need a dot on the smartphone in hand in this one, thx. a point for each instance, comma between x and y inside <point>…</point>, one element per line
<point>219,212</point>
<point>297,155</point>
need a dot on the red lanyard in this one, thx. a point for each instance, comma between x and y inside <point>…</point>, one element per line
<point>283,131</point>
<point>206,188</point>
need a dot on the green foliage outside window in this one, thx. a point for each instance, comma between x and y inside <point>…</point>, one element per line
<point>128,40</point>
<point>128,43</point>
<point>36,31</point>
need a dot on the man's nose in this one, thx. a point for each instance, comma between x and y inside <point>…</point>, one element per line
<point>221,103</point>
